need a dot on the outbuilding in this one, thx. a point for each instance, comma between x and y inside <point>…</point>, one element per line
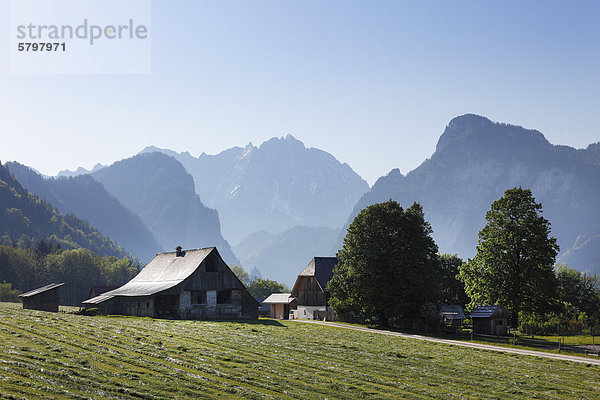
<point>45,298</point>
<point>281,305</point>
<point>489,320</point>
<point>191,284</point>
<point>452,314</point>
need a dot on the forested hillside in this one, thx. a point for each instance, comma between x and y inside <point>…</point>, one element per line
<point>88,199</point>
<point>25,220</point>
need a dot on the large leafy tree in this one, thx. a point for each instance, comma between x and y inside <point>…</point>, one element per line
<point>452,288</point>
<point>515,255</point>
<point>388,266</point>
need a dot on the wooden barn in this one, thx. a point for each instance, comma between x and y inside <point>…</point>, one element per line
<point>310,289</point>
<point>489,320</point>
<point>281,305</point>
<point>192,284</point>
<point>45,298</point>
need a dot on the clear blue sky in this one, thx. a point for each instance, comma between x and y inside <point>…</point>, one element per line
<point>372,82</point>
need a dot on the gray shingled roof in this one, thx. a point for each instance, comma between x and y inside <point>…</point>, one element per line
<point>487,311</point>
<point>452,312</point>
<point>41,289</point>
<point>279,298</point>
<point>165,271</point>
<point>321,268</point>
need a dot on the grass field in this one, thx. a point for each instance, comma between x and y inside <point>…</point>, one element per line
<point>45,355</point>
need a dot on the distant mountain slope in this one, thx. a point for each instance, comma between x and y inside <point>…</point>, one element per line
<point>475,161</point>
<point>274,187</point>
<point>281,257</point>
<point>89,200</point>
<point>25,219</point>
<point>79,171</point>
<point>159,190</point>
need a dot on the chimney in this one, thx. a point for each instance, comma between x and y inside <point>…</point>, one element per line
<point>179,252</point>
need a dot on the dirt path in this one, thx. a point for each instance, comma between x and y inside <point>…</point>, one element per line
<point>534,353</point>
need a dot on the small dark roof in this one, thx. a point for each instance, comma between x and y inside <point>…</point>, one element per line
<point>452,312</point>
<point>321,268</point>
<point>488,312</point>
<point>41,289</point>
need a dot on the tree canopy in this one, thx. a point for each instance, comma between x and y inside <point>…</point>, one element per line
<point>515,255</point>
<point>452,289</point>
<point>388,266</point>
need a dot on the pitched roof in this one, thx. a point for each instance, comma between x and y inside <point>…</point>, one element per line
<point>488,311</point>
<point>41,289</point>
<point>321,268</point>
<point>279,298</point>
<point>452,312</point>
<point>163,272</point>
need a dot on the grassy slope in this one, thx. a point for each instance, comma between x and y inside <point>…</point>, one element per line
<point>66,356</point>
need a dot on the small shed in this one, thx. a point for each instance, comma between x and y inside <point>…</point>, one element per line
<point>489,320</point>
<point>281,304</point>
<point>42,299</point>
<point>452,315</point>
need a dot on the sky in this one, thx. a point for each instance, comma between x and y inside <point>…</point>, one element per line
<point>372,82</point>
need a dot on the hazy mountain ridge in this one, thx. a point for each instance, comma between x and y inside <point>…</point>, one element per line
<point>475,161</point>
<point>88,199</point>
<point>281,257</point>
<point>79,171</point>
<point>25,219</point>
<point>273,187</point>
<point>159,190</point>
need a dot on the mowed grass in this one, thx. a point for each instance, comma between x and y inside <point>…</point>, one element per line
<point>63,356</point>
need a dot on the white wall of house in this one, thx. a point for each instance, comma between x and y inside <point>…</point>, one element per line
<point>306,312</point>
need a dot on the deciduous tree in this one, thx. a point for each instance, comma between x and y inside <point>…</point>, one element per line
<point>515,255</point>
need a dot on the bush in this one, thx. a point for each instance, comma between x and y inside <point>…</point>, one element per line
<point>7,293</point>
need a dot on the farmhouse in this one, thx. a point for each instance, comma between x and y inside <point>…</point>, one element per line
<point>489,320</point>
<point>192,284</point>
<point>310,289</point>
<point>43,299</point>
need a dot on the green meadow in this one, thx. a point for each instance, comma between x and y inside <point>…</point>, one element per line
<point>65,356</point>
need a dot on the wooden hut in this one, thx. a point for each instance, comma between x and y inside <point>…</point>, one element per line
<point>45,298</point>
<point>281,305</point>
<point>310,289</point>
<point>191,284</point>
<point>452,315</point>
<point>489,320</point>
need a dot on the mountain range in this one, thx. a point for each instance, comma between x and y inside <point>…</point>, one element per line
<point>283,203</point>
<point>475,161</point>
<point>161,192</point>
<point>273,187</point>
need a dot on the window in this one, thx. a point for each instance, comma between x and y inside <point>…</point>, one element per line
<point>147,305</point>
<point>224,296</point>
